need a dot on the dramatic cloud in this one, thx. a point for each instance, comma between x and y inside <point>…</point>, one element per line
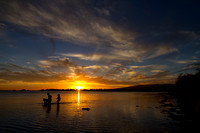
<point>61,63</point>
<point>115,75</point>
<point>80,23</point>
<point>106,42</point>
<point>116,56</point>
<point>48,73</point>
<point>11,72</point>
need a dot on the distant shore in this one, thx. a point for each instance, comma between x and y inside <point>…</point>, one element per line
<point>138,88</point>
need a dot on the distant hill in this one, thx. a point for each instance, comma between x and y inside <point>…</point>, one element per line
<point>149,88</point>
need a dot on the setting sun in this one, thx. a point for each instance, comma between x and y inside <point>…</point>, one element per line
<point>79,87</point>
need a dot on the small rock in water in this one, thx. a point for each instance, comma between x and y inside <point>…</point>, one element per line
<point>86,109</point>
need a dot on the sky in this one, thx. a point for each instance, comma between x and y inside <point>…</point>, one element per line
<point>97,43</point>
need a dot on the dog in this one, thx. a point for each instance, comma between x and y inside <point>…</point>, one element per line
<point>46,101</point>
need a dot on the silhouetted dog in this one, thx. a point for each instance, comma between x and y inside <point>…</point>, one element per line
<point>46,101</point>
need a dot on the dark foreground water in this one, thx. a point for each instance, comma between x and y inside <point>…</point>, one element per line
<point>109,112</point>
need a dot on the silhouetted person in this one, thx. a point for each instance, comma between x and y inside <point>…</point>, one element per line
<point>58,98</point>
<point>47,101</point>
<point>49,98</point>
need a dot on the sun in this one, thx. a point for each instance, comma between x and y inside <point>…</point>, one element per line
<point>79,87</point>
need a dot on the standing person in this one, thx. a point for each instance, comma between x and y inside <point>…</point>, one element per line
<point>49,98</point>
<point>58,98</point>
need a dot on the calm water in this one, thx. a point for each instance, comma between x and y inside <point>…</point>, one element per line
<point>109,112</point>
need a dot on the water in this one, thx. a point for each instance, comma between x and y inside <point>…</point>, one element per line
<point>109,112</point>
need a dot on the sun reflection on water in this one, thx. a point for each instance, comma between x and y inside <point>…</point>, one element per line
<point>78,101</point>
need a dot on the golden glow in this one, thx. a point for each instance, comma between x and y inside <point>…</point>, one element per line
<point>79,85</point>
<point>64,84</point>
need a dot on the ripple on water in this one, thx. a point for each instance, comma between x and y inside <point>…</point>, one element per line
<point>110,112</point>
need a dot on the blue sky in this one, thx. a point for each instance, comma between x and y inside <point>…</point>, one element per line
<point>105,44</point>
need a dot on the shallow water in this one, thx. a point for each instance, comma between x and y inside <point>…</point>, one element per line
<point>109,112</point>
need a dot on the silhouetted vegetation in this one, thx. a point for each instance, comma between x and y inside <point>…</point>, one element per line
<point>24,90</point>
<point>188,83</point>
<point>186,92</point>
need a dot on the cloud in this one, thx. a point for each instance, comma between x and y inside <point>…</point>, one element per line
<point>162,50</point>
<point>186,61</point>
<point>82,23</point>
<point>71,21</point>
<point>56,63</point>
<point>128,74</point>
<point>118,55</point>
<point>50,71</point>
<point>90,57</point>
<point>63,66</point>
<point>12,72</point>
<point>115,45</point>
<point>103,11</point>
<point>191,66</point>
